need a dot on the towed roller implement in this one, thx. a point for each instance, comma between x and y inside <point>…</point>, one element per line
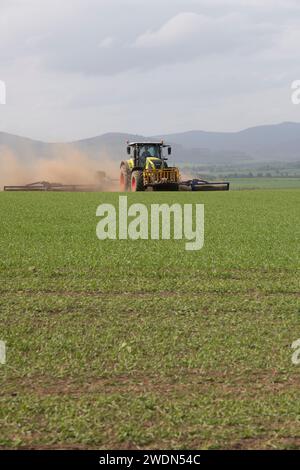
<point>202,185</point>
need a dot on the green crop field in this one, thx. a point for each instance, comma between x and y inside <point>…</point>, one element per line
<point>141,344</point>
<point>264,183</point>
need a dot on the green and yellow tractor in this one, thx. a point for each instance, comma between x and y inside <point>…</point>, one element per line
<point>147,168</point>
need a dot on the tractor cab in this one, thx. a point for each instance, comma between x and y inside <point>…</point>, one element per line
<point>148,155</point>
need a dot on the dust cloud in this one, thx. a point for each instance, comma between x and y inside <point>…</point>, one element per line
<point>69,167</point>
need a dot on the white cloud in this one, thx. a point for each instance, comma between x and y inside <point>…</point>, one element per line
<point>189,36</point>
<point>177,29</point>
<point>107,42</point>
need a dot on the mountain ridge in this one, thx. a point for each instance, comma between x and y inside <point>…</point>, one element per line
<point>259,143</point>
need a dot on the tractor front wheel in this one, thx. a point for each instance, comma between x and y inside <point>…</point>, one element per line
<point>137,181</point>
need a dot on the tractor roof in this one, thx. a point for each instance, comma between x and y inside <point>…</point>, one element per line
<point>162,144</point>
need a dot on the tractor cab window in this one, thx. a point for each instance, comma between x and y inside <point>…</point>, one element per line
<point>147,151</point>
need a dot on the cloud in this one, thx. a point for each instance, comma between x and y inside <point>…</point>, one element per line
<point>88,37</point>
<point>107,42</point>
<point>179,28</point>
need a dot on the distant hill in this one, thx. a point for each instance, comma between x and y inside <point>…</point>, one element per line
<point>279,142</point>
<point>263,143</point>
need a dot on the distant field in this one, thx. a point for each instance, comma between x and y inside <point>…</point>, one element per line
<point>264,183</point>
<point>141,344</point>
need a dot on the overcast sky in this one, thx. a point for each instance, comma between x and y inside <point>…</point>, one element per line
<point>79,68</point>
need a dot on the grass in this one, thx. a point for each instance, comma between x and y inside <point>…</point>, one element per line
<point>264,183</point>
<point>122,344</point>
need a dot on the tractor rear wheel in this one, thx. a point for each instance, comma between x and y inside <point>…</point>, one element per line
<point>137,181</point>
<point>124,178</point>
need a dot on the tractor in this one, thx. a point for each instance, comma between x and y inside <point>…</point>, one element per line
<point>147,168</point>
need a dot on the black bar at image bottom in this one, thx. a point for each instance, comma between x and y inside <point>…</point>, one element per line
<point>144,458</point>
